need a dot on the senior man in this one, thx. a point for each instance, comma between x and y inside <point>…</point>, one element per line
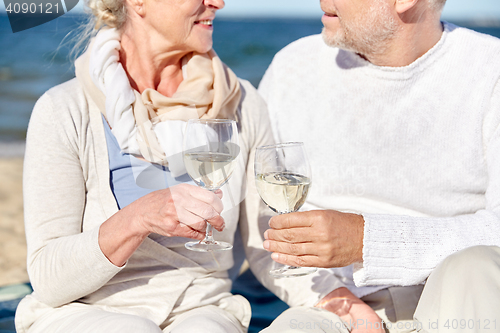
<point>400,115</point>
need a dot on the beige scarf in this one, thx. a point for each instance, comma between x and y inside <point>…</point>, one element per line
<point>209,90</point>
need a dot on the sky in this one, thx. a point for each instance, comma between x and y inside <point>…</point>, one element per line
<point>454,9</point>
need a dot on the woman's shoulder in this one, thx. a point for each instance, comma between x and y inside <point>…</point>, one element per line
<point>253,117</point>
<point>249,92</point>
<point>252,104</point>
<point>61,109</point>
<point>66,101</point>
<point>67,93</point>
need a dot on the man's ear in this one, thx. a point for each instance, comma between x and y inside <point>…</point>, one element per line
<point>402,6</point>
<point>137,6</point>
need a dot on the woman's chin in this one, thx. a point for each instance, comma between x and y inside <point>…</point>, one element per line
<point>203,47</point>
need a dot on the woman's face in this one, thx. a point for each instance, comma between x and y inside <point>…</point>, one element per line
<point>185,25</point>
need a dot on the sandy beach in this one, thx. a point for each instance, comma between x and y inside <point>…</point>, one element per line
<point>12,238</point>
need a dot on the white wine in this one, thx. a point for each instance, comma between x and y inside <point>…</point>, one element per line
<point>283,192</point>
<point>208,169</point>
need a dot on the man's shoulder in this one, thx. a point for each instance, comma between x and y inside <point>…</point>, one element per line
<point>305,47</point>
<point>471,38</point>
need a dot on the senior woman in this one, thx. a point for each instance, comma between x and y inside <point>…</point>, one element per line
<point>105,240</point>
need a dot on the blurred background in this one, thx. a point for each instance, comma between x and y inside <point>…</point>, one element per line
<point>247,34</point>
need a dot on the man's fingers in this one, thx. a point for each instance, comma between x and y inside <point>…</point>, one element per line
<point>293,235</point>
<point>294,249</point>
<point>301,261</point>
<point>291,220</point>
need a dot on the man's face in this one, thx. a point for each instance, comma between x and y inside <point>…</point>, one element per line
<point>362,26</point>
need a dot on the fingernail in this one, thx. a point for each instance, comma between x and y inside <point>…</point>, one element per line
<point>266,245</point>
<point>265,235</point>
<point>274,256</point>
<point>269,222</point>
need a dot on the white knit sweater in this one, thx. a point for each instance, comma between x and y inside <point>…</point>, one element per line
<point>414,149</point>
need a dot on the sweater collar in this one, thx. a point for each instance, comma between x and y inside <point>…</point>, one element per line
<point>352,60</point>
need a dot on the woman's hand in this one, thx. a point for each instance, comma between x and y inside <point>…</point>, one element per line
<point>182,210</point>
<point>358,317</point>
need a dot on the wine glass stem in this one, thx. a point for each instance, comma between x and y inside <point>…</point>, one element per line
<point>209,238</point>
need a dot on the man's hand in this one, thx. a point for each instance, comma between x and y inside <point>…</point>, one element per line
<point>318,238</point>
<point>355,313</point>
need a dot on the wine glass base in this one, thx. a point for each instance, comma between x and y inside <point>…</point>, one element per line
<point>208,246</point>
<point>291,271</point>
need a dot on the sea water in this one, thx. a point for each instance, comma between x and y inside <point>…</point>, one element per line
<point>34,60</point>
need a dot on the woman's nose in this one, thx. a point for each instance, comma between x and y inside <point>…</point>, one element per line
<point>217,4</point>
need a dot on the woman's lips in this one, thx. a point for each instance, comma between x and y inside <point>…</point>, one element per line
<point>207,24</point>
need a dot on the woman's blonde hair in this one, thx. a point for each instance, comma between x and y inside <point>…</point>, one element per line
<point>111,13</point>
<point>100,13</point>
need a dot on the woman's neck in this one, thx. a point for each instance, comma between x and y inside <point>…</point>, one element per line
<point>150,67</point>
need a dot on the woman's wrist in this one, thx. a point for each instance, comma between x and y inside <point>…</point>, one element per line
<point>121,235</point>
<point>135,221</point>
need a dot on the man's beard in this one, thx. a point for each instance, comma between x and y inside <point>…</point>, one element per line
<point>368,35</point>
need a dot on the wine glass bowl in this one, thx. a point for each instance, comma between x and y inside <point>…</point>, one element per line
<point>210,150</point>
<point>210,166</point>
<point>283,179</point>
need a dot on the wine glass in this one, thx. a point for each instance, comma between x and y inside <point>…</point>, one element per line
<point>210,151</point>
<point>283,178</point>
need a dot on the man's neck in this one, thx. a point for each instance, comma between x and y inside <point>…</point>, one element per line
<point>410,42</point>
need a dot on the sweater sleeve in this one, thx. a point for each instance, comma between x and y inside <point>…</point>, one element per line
<point>64,263</point>
<point>306,290</point>
<point>404,250</point>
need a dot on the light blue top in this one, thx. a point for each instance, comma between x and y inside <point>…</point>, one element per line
<point>132,178</point>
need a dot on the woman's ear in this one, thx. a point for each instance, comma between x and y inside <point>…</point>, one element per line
<point>402,6</point>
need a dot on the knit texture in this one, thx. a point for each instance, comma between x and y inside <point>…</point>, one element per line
<point>415,149</point>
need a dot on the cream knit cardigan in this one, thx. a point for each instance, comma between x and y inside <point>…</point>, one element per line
<point>67,196</point>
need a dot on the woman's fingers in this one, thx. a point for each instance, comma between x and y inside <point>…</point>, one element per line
<point>196,194</point>
<point>182,210</point>
<point>196,216</point>
<point>183,230</point>
<point>195,207</point>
